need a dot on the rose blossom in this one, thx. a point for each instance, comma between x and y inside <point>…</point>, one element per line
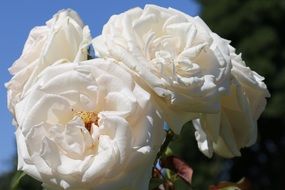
<point>88,125</point>
<point>64,38</point>
<point>194,72</point>
<point>174,54</point>
<point>235,126</point>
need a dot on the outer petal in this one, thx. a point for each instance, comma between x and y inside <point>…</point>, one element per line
<point>237,122</point>
<point>64,38</point>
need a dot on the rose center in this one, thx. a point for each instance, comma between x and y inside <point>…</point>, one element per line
<point>88,118</point>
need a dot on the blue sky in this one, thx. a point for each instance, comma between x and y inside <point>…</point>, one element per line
<point>17,18</point>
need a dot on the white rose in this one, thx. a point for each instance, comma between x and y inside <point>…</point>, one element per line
<point>64,38</point>
<point>176,55</point>
<point>88,126</point>
<point>235,126</point>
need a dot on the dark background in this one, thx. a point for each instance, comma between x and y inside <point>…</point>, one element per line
<point>256,28</point>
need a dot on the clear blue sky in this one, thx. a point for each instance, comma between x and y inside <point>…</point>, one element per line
<point>18,17</point>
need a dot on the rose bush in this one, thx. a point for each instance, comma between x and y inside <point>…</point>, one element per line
<point>175,54</point>
<point>235,126</point>
<point>64,38</point>
<point>88,125</point>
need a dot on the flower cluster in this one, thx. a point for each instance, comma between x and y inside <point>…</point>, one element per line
<point>86,123</point>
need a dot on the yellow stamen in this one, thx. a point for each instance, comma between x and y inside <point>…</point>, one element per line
<point>88,118</point>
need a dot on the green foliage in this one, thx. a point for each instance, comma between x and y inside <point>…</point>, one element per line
<point>16,179</point>
<point>28,182</point>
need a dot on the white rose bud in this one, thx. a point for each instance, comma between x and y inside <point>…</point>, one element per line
<point>174,54</point>
<point>64,38</point>
<point>235,126</point>
<point>88,126</point>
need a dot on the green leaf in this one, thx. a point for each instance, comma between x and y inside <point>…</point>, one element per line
<point>16,179</point>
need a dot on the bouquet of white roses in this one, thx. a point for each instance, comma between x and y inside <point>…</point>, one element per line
<point>98,123</point>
